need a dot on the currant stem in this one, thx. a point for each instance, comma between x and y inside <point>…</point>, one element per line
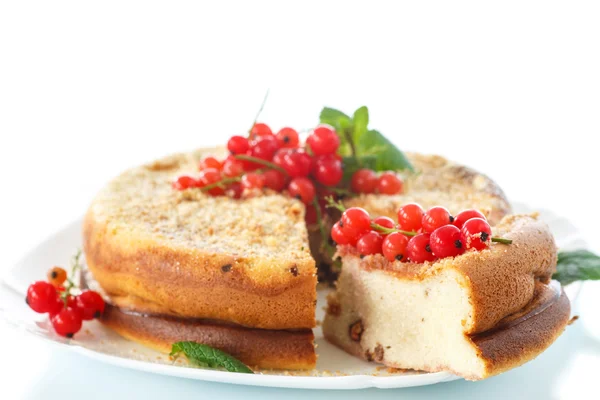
<point>220,183</point>
<point>501,240</point>
<point>261,162</point>
<point>259,110</point>
<point>387,231</point>
<point>70,284</point>
<point>331,203</point>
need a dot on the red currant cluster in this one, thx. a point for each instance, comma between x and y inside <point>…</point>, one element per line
<point>67,311</point>
<point>418,236</point>
<point>279,162</point>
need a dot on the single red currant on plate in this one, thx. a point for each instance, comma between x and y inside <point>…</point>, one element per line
<point>369,243</point>
<point>418,249</point>
<point>476,233</point>
<point>91,304</point>
<point>446,242</point>
<point>67,322</point>
<point>42,297</point>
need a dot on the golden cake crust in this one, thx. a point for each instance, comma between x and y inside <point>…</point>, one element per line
<point>188,254</point>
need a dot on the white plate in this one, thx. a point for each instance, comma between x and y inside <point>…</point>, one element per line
<point>335,369</point>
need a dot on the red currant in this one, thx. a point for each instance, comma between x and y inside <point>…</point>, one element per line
<point>232,167</point>
<point>210,162</point>
<point>42,297</point>
<point>355,222</point>
<point>238,145</point>
<point>184,182</point>
<point>296,162</point>
<point>394,247</point>
<point>370,243</point>
<point>434,218</point>
<point>386,222</point>
<point>323,140</point>
<point>466,215</point>
<point>445,242</point>
<point>260,129</point>
<point>389,183</point>
<point>57,276</point>
<point>303,189</point>
<point>338,235</point>
<point>253,180</point>
<point>264,148</point>
<point>410,217</point>
<point>476,233</point>
<point>327,170</point>
<point>67,322</point>
<point>235,190</point>
<point>418,249</point>
<point>287,137</point>
<point>274,179</point>
<point>210,176</point>
<point>91,304</point>
<point>364,181</point>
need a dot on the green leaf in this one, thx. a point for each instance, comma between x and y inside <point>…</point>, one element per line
<point>578,265</point>
<point>343,126</point>
<point>353,164</point>
<point>206,356</point>
<point>389,157</point>
<point>361,120</point>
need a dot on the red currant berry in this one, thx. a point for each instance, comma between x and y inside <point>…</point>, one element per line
<point>410,217</point>
<point>476,233</point>
<point>394,247</point>
<point>364,181</point>
<point>210,176</point>
<point>323,140</point>
<point>302,189</point>
<point>355,222</point>
<point>445,242</point>
<point>274,180</point>
<point>67,322</point>
<point>287,138</point>
<point>253,180</point>
<point>235,191</point>
<point>184,182</point>
<point>466,215</point>
<point>210,162</point>
<point>389,183</point>
<point>370,243</point>
<point>338,235</point>
<point>42,297</point>
<point>434,218</point>
<point>238,145</point>
<point>386,222</point>
<point>296,162</point>
<point>91,304</point>
<point>327,170</point>
<point>57,276</point>
<point>418,249</point>
<point>232,167</point>
<point>264,148</point>
<point>259,129</point>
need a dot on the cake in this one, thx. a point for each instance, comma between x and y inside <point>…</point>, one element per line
<point>236,274</point>
<point>476,315</point>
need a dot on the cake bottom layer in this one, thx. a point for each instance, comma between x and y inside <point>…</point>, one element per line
<point>258,348</point>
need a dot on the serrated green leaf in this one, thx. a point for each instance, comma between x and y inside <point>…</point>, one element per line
<point>353,164</point>
<point>360,120</point>
<point>206,356</point>
<point>389,157</point>
<point>578,265</point>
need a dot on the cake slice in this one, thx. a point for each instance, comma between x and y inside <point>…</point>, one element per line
<point>475,315</point>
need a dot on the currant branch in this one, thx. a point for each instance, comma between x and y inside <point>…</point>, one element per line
<point>221,183</point>
<point>261,162</point>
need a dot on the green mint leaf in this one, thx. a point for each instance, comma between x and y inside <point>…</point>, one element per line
<point>361,120</point>
<point>206,356</point>
<point>578,265</point>
<point>353,164</point>
<point>389,157</point>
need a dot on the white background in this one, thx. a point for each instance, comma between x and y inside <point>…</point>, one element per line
<point>88,89</point>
